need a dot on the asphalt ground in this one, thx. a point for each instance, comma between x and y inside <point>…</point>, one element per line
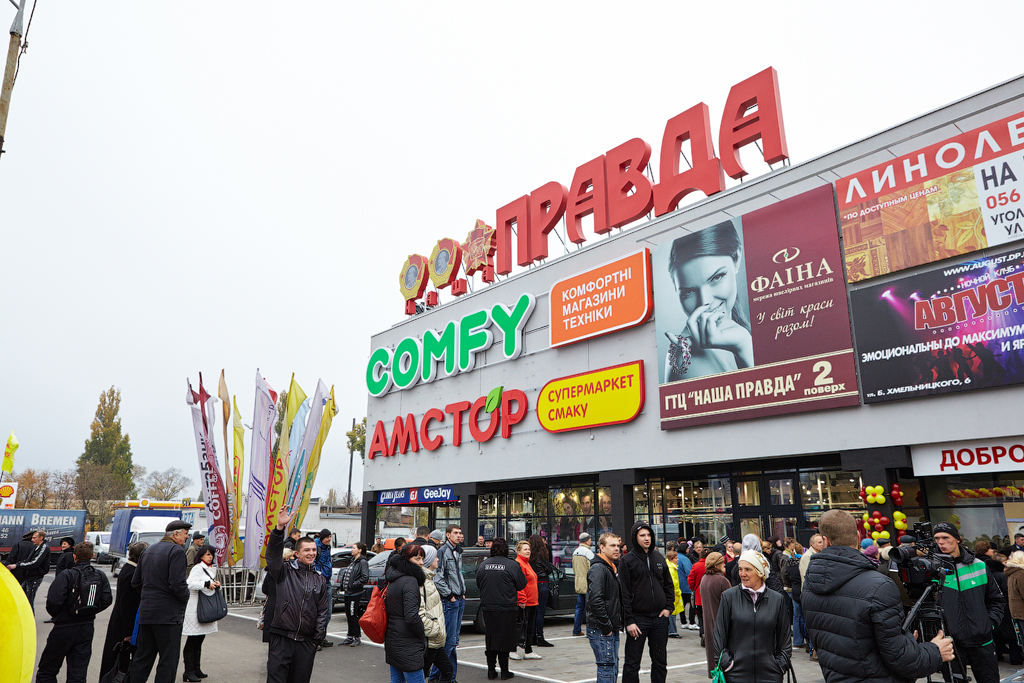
<point>236,653</point>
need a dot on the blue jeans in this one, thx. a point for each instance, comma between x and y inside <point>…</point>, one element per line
<point>543,591</point>
<point>398,676</point>
<point>581,613</point>
<point>453,626</point>
<point>672,624</point>
<point>799,626</point>
<point>606,653</point>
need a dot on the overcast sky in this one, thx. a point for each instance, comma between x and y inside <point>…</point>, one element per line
<point>190,187</point>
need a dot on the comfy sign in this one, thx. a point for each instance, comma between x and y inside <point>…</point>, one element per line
<point>593,399</point>
<point>968,457</point>
<point>611,297</point>
<point>613,189</point>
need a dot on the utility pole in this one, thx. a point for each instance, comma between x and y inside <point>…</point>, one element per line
<point>348,501</point>
<point>12,65</point>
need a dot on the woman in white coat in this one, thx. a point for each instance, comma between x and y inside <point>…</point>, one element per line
<point>432,614</point>
<point>203,577</point>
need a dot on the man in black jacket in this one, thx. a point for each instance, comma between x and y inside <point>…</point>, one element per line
<point>973,604</point>
<point>355,577</point>
<point>31,566</point>
<point>854,614</point>
<point>302,609</point>
<point>160,577</point>
<point>71,636</point>
<point>604,608</point>
<point>648,596</point>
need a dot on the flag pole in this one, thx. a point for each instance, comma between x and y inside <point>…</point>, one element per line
<point>9,70</point>
<point>348,501</point>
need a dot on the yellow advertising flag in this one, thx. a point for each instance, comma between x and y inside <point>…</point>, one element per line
<point>238,461</point>
<point>12,446</point>
<point>280,465</point>
<point>330,410</point>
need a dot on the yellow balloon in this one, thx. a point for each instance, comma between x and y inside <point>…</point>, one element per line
<point>867,527</point>
<point>875,535</point>
<point>880,499</point>
<point>17,630</point>
<point>884,534</point>
<point>865,517</point>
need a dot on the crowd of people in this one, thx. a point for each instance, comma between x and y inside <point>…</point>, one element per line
<point>751,602</point>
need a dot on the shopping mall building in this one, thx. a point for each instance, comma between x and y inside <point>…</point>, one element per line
<point>743,363</point>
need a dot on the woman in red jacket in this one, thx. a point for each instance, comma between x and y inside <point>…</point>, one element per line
<point>696,574</point>
<point>527,605</point>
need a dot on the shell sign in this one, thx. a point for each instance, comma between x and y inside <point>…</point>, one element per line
<point>8,494</point>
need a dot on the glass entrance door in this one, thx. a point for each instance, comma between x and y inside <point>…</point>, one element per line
<point>767,504</point>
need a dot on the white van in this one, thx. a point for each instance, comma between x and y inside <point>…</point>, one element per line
<point>100,545</point>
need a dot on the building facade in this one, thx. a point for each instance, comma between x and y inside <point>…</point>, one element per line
<point>842,333</point>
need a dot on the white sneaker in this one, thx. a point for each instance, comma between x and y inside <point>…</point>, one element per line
<point>515,655</point>
<point>532,655</point>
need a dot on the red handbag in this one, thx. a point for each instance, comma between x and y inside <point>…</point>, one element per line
<point>374,622</point>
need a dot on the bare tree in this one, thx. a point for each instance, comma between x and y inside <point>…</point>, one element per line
<point>332,498</point>
<point>166,485</point>
<point>97,488</point>
<point>64,487</point>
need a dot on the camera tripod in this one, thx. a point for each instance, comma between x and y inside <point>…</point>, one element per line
<point>927,618</point>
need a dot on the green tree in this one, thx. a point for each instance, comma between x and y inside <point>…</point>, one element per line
<point>357,439</point>
<point>108,448</point>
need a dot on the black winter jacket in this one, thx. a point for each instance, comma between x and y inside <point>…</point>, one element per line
<point>66,560</point>
<point>499,579</point>
<point>160,578</point>
<point>854,616</point>
<point>33,561</point>
<point>358,575</point>
<point>758,636</point>
<point>972,602</point>
<point>405,642</point>
<point>644,580</point>
<point>302,598</point>
<point>60,591</point>
<point>604,597</point>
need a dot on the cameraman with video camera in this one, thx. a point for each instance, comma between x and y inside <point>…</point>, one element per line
<point>854,614</point>
<point>973,604</point>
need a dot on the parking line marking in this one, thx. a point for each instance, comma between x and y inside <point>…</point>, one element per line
<point>519,674</point>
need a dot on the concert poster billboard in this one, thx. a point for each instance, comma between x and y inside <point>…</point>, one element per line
<point>947,330</point>
<point>751,316</point>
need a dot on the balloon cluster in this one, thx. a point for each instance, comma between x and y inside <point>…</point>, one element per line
<point>877,521</point>
<point>897,495</point>
<point>899,520</point>
<point>997,492</point>
<point>873,495</point>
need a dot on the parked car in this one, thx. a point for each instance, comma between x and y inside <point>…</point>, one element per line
<point>471,559</point>
<point>341,558</point>
<point>101,546</point>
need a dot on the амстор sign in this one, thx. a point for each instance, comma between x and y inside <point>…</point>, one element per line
<point>611,297</point>
<point>592,399</point>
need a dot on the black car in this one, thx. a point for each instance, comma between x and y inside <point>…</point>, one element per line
<point>471,559</point>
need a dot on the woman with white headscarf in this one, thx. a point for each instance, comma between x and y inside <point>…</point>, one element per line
<point>753,638</point>
<point>752,543</point>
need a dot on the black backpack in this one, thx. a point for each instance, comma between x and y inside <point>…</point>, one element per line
<point>84,599</point>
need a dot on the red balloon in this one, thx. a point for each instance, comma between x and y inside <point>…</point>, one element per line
<point>895,487</point>
<point>876,514</point>
<point>884,521</point>
<point>879,527</point>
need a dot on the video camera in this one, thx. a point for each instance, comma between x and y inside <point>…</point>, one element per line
<point>923,569</point>
<point>921,563</point>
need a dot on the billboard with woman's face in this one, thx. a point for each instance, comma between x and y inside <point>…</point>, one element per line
<point>751,316</point>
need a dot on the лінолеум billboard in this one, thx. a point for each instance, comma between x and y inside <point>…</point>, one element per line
<point>956,328</point>
<point>751,316</point>
<point>952,198</point>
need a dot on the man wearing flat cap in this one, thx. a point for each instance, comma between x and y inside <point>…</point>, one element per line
<point>160,576</point>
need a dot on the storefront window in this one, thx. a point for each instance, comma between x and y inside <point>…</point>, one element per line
<point>985,507</point>
<point>830,489</point>
<point>450,514</point>
<point>748,493</point>
<point>604,518</point>
<point>781,491</point>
